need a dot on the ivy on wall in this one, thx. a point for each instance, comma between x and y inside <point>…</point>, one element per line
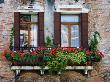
<point>11,38</point>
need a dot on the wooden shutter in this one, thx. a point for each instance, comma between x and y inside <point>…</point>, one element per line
<point>16,31</point>
<point>84,30</point>
<point>57,28</point>
<point>41,29</point>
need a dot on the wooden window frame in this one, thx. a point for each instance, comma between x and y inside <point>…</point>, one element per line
<point>69,24</point>
<point>83,29</point>
<point>40,39</point>
<point>29,26</point>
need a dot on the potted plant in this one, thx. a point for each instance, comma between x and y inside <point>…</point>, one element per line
<point>96,55</point>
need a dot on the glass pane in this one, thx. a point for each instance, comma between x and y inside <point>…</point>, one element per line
<point>25,18</point>
<point>1,1</point>
<point>33,42</point>
<point>75,36</point>
<point>64,36</point>
<point>69,18</point>
<point>23,38</point>
<point>34,18</point>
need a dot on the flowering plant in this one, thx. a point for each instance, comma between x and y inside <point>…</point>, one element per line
<point>36,57</point>
<point>54,57</point>
<point>96,56</point>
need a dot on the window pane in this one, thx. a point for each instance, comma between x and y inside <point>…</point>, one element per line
<point>34,18</point>
<point>64,36</point>
<point>23,38</point>
<point>69,18</point>
<point>1,1</point>
<point>28,30</point>
<point>25,18</point>
<point>33,35</point>
<point>75,36</point>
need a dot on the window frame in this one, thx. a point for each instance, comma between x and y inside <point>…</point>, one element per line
<point>69,24</point>
<point>40,40</point>
<point>29,26</point>
<point>83,30</point>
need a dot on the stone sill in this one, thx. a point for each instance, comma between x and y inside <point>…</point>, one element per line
<point>46,68</point>
<point>17,69</point>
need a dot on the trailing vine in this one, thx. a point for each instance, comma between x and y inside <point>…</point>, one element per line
<point>11,38</point>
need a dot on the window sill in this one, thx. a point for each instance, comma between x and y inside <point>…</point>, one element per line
<point>17,69</point>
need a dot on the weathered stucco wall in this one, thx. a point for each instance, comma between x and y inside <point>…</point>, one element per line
<point>99,20</point>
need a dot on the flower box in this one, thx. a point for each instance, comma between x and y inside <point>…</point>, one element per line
<point>56,59</point>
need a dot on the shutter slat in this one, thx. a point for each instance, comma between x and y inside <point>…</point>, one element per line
<point>41,29</point>
<point>57,28</point>
<point>84,30</point>
<point>16,31</point>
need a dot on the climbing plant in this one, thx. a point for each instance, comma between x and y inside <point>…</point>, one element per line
<point>11,38</point>
<point>94,41</point>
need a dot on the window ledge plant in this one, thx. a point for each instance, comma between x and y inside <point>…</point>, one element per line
<point>55,58</point>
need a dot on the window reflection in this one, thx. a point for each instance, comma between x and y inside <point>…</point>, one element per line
<point>70,31</point>
<point>69,18</point>
<point>75,36</point>
<point>28,30</point>
<point>64,36</point>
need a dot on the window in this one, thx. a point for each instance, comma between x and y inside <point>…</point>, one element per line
<point>71,30</point>
<point>70,35</point>
<point>28,30</point>
<point>1,1</point>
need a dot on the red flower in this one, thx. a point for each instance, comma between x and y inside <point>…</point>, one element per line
<point>88,52</point>
<point>37,52</point>
<point>69,49</point>
<point>100,53</point>
<point>45,53</point>
<point>53,51</point>
<point>80,48</point>
<point>32,52</point>
<point>75,51</point>
<point>24,53</point>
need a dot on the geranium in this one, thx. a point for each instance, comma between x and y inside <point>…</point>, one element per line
<point>100,53</point>
<point>52,51</point>
<point>88,52</point>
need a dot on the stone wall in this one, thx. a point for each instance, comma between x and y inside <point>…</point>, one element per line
<point>99,20</point>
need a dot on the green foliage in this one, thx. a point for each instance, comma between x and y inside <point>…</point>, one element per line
<point>95,56</point>
<point>48,41</point>
<point>11,38</point>
<point>79,57</point>
<point>16,56</point>
<point>56,64</point>
<point>94,41</point>
<point>9,57</point>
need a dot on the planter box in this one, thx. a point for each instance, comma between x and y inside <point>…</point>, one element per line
<point>17,69</point>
